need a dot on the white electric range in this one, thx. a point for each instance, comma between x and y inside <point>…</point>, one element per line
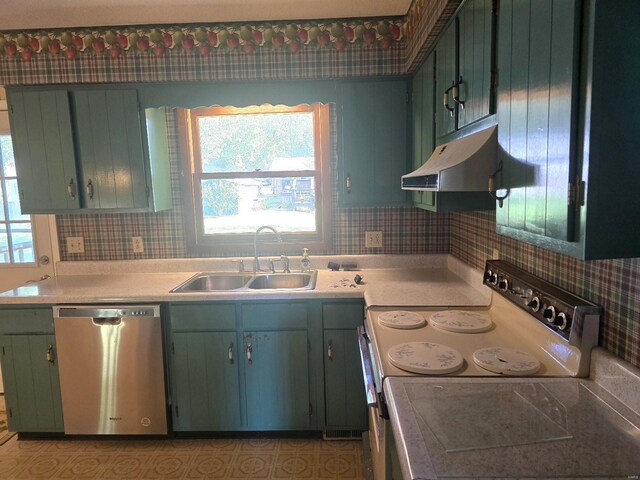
<point>531,328</point>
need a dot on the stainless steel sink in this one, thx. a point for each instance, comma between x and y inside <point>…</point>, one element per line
<point>284,281</point>
<point>213,282</point>
<point>217,282</point>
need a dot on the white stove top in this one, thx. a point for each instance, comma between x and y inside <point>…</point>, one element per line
<point>511,328</point>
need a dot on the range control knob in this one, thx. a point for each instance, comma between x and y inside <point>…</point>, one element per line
<point>561,321</point>
<point>487,275</point>
<point>503,284</point>
<point>534,304</point>
<point>493,279</point>
<point>549,313</point>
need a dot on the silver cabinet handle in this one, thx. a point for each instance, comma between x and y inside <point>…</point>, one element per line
<point>348,183</point>
<point>230,353</point>
<point>71,189</point>
<point>89,190</point>
<point>50,358</point>
<point>456,94</point>
<point>451,110</point>
<point>330,350</point>
<point>249,353</point>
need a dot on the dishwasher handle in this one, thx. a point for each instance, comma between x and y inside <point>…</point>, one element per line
<point>106,321</point>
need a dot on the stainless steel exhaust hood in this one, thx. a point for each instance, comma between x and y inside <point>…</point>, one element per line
<point>462,165</point>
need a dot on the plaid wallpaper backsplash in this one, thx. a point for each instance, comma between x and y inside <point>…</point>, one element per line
<point>613,284</point>
<point>406,230</point>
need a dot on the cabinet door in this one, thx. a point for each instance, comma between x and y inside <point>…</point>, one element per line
<point>277,380</point>
<point>446,76</point>
<point>110,149</point>
<point>475,47</point>
<point>43,146</point>
<point>346,403</point>
<point>207,386</point>
<point>537,55</point>
<point>373,143</point>
<point>31,382</point>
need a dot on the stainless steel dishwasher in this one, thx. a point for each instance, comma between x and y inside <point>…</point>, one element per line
<point>111,369</point>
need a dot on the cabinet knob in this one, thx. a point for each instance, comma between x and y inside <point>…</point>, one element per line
<point>451,110</point>
<point>71,189</point>
<point>330,350</point>
<point>50,358</point>
<point>230,353</point>
<point>249,352</point>
<point>89,190</point>
<point>456,93</point>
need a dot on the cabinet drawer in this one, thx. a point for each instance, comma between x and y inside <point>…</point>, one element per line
<point>203,317</point>
<point>26,320</point>
<point>274,316</point>
<point>342,315</point>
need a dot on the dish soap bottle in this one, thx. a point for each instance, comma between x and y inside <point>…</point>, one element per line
<point>306,261</point>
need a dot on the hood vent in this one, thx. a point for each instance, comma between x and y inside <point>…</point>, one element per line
<point>462,165</point>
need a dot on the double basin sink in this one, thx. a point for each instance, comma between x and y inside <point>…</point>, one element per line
<point>217,282</point>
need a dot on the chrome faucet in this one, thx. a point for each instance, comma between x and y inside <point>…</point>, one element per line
<point>256,262</point>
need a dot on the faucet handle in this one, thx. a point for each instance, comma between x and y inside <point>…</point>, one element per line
<point>285,264</point>
<point>272,267</point>
<point>240,265</point>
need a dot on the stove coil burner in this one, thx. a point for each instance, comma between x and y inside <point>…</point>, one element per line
<point>462,321</point>
<point>401,319</point>
<point>425,358</point>
<point>506,361</point>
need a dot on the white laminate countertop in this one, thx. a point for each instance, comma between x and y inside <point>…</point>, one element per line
<point>428,280</point>
<point>519,427</point>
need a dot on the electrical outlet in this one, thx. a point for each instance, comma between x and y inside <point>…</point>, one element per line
<point>75,244</point>
<point>373,239</point>
<point>137,244</point>
<point>495,254</point>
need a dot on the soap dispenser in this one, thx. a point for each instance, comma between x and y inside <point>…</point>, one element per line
<point>306,261</point>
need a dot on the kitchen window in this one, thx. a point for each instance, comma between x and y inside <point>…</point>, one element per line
<point>16,236</point>
<point>254,166</point>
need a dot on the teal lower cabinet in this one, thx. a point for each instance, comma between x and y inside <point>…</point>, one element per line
<point>30,370</point>
<point>204,371</point>
<point>277,380</point>
<point>276,365</point>
<point>345,402</point>
<point>207,382</point>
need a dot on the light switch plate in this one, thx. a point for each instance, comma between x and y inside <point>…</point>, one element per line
<point>373,239</point>
<point>75,244</point>
<point>137,245</point>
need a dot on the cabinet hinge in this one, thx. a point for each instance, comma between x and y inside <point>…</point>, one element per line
<point>310,409</point>
<point>12,108</point>
<point>494,79</point>
<point>576,193</point>
<point>173,348</point>
<point>147,191</point>
<point>408,95</point>
<point>177,411</point>
<point>3,350</point>
<point>10,412</point>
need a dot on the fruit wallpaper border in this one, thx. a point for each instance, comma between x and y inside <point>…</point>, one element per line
<point>202,40</point>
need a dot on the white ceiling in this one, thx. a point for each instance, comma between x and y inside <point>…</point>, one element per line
<point>36,14</point>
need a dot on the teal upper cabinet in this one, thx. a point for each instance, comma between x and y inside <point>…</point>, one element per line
<point>446,77</point>
<point>43,147</point>
<point>567,134</point>
<point>373,142</point>
<point>423,131</point>
<point>464,64</point>
<point>80,150</point>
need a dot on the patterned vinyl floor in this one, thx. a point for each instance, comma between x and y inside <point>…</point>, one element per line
<point>181,459</point>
